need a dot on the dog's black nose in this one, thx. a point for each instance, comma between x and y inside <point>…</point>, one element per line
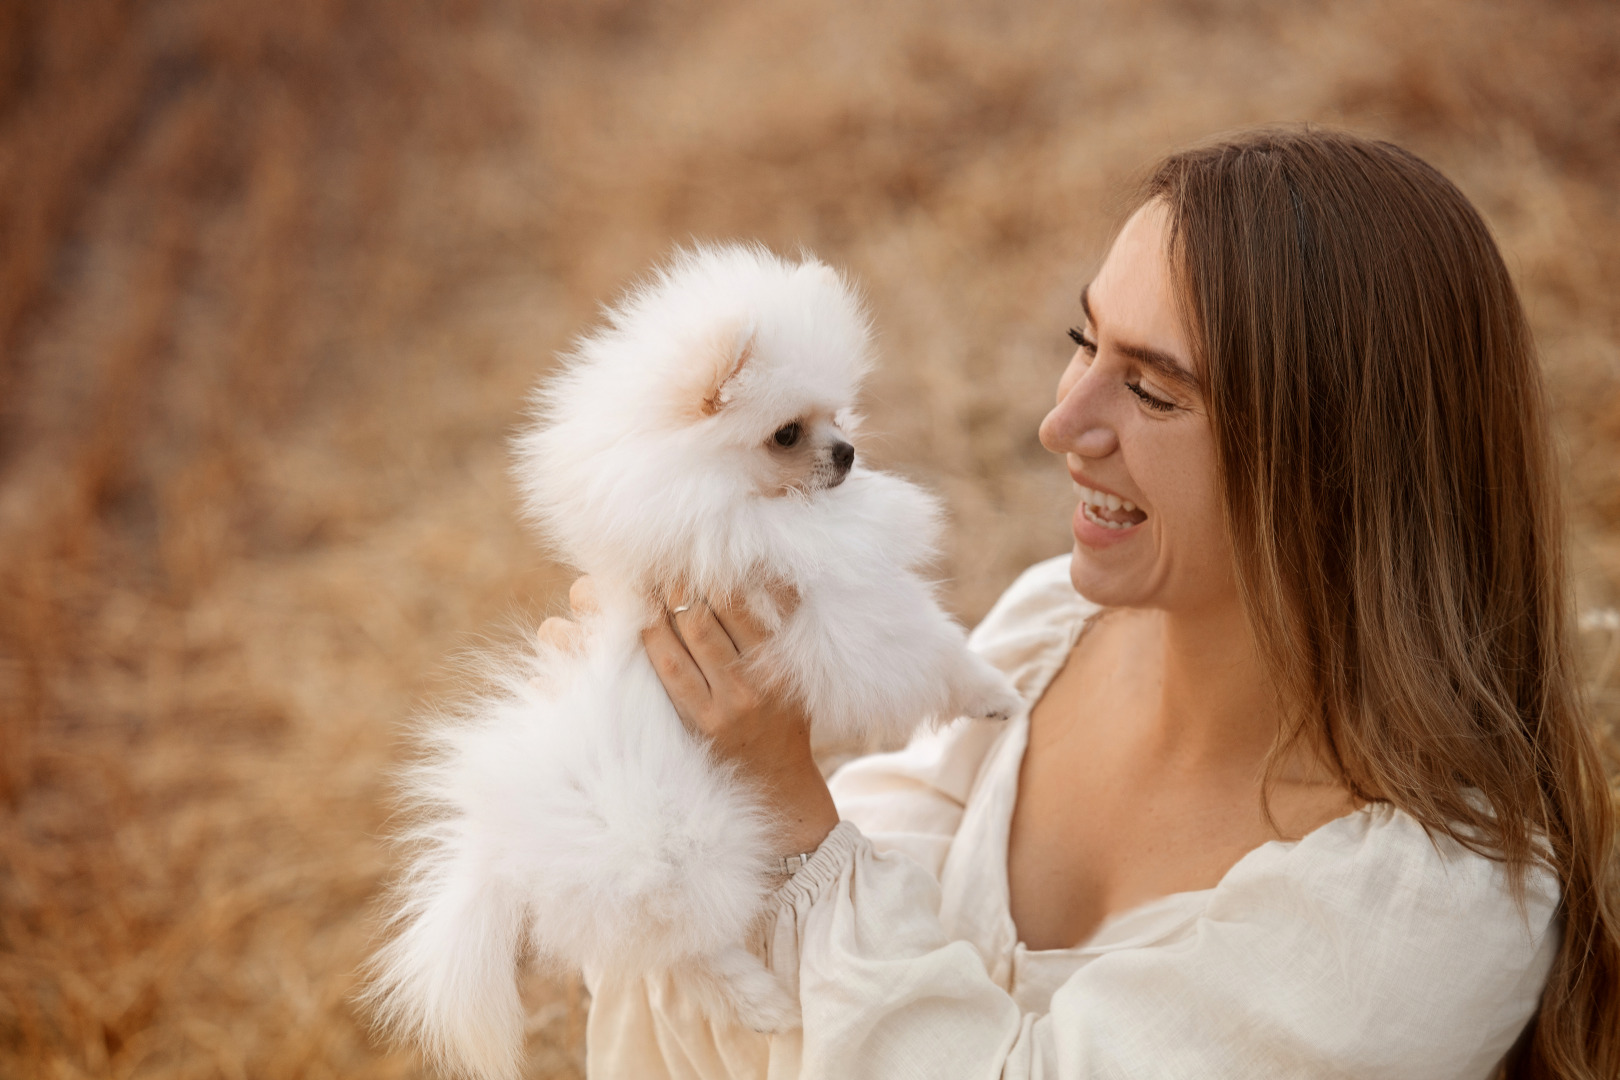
<point>843,456</point>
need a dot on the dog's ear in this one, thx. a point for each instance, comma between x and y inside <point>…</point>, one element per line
<point>733,348</point>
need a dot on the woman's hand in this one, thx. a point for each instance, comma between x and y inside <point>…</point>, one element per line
<point>697,652</point>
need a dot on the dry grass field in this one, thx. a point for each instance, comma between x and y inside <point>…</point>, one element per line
<point>275,279</point>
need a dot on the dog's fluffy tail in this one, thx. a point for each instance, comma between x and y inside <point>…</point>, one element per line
<point>447,979</point>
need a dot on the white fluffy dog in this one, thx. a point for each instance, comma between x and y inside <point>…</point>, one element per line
<point>696,442</point>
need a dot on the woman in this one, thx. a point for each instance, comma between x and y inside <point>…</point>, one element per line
<point>1305,787</point>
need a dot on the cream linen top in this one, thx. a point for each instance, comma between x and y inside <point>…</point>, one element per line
<point>1365,949</point>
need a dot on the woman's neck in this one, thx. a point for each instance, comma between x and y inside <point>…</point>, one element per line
<point>1211,705</point>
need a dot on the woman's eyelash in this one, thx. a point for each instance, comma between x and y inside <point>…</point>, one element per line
<point>1156,404</point>
<point>1078,336</point>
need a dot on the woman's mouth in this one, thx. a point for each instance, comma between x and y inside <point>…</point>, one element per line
<point>1108,511</point>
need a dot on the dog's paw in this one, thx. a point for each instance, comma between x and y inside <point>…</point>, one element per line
<point>769,1012</point>
<point>983,693</point>
<point>994,710</point>
<point>735,983</point>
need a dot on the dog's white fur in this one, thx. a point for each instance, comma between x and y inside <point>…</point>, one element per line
<point>571,810</point>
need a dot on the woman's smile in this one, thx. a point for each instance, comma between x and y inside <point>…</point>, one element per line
<point>1104,518</point>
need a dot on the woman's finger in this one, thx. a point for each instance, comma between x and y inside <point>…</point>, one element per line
<point>682,678</point>
<point>582,595</point>
<point>706,640</point>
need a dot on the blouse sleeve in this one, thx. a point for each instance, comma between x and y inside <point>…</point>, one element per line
<point>1365,949</point>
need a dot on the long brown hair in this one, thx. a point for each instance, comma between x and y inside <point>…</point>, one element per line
<point>1382,436</point>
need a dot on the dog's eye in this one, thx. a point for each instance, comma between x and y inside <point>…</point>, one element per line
<point>788,434</point>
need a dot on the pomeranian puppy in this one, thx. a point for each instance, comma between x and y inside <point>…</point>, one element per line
<point>698,443</point>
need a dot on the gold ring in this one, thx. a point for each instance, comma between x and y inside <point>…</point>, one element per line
<point>683,607</point>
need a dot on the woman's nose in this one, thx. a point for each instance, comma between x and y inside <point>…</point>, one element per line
<point>1079,424</point>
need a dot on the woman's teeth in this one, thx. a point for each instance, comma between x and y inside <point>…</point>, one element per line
<point>1109,511</point>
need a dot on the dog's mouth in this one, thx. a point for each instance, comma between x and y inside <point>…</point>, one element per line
<point>832,469</point>
<point>818,480</point>
<point>825,473</point>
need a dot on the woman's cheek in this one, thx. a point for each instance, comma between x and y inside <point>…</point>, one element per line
<point>1205,534</point>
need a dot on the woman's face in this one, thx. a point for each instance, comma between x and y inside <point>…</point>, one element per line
<point>1132,425</point>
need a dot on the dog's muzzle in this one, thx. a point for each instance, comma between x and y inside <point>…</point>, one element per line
<point>842,457</point>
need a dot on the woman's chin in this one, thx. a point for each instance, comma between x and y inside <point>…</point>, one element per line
<point>1102,584</point>
<point>1111,566</point>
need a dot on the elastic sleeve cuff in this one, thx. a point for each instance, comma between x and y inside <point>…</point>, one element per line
<point>824,867</point>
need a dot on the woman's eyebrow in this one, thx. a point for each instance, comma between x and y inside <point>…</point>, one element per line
<point>1161,362</point>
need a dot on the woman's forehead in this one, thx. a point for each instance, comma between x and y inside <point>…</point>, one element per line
<point>1133,300</point>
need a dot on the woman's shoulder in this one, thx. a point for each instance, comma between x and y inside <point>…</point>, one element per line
<point>1378,875</point>
<point>1371,923</point>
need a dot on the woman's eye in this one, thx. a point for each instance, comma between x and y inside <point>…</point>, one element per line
<point>787,435</point>
<point>1078,336</point>
<point>1156,404</point>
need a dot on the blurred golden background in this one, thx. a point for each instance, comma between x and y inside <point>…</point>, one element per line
<point>276,277</point>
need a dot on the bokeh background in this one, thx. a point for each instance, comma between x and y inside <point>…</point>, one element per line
<point>275,279</point>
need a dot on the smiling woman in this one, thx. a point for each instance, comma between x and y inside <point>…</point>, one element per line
<point>1302,785</point>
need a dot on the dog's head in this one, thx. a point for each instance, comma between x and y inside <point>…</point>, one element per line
<point>728,379</point>
<point>788,435</point>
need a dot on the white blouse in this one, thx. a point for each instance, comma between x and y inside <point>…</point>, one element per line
<point>1365,949</point>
